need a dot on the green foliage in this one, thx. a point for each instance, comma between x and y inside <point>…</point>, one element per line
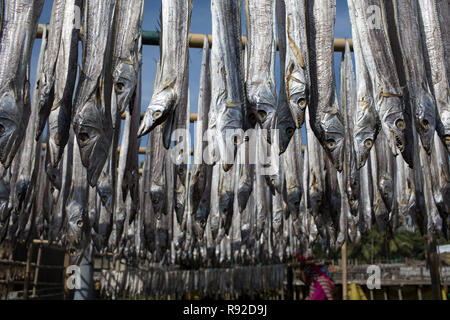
<point>376,247</point>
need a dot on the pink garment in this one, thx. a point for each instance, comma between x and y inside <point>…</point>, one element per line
<point>318,294</point>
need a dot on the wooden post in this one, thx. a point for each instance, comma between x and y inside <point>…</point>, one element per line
<point>371,295</point>
<point>66,264</point>
<point>36,271</point>
<point>344,271</point>
<point>27,271</point>
<point>433,264</point>
<point>400,295</point>
<point>289,283</point>
<point>419,292</point>
<point>385,292</point>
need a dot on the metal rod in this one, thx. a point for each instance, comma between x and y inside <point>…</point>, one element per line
<point>151,38</point>
<point>27,271</point>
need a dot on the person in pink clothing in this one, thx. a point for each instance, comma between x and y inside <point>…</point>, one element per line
<point>320,285</point>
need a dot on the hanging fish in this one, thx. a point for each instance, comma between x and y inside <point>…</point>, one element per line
<point>283,120</point>
<point>77,226</point>
<point>126,55</point>
<point>227,82</point>
<point>325,117</point>
<point>65,72</point>
<point>19,26</point>
<point>385,82</point>
<point>92,120</point>
<point>367,124</point>
<point>176,19</point>
<point>436,65</point>
<point>297,60</point>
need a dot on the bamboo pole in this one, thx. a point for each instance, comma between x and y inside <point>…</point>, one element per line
<point>151,38</point>
<point>344,271</point>
<point>36,271</point>
<point>27,271</point>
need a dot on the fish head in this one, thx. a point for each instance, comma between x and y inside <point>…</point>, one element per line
<point>78,231</point>
<point>244,191</point>
<point>284,128</point>
<point>11,126</point>
<point>94,135</point>
<point>393,123</point>
<point>58,126</point>
<point>386,190</point>
<point>54,175</point>
<point>365,132</point>
<point>298,95</point>
<point>293,200</point>
<point>333,139</point>
<point>158,198</point>
<point>425,118</point>
<point>226,203</point>
<point>158,111</point>
<point>105,191</point>
<point>124,80</point>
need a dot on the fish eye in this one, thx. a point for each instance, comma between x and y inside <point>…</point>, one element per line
<point>426,125</point>
<point>203,223</point>
<point>331,144</point>
<point>104,198</point>
<point>72,252</point>
<point>2,129</point>
<point>262,115</point>
<point>236,140</point>
<point>180,170</point>
<point>368,143</point>
<point>157,114</point>
<point>84,138</point>
<point>120,87</point>
<point>401,125</point>
<point>296,203</point>
<point>301,103</point>
<point>155,200</point>
<point>447,139</point>
<point>80,223</point>
<point>289,132</point>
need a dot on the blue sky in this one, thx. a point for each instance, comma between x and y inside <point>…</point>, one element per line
<point>200,23</point>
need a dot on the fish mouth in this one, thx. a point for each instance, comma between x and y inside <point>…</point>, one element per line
<point>154,116</point>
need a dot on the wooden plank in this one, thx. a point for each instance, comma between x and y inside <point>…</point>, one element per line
<point>27,271</point>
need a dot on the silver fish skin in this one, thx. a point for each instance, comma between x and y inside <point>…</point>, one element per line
<point>326,120</point>
<point>406,15</point>
<point>226,199</point>
<point>120,212</point>
<point>200,185</point>
<point>297,60</point>
<point>158,180</point>
<point>46,84</point>
<point>246,175</point>
<point>261,50</point>
<point>440,173</point>
<point>147,207</point>
<point>227,95</point>
<point>315,174</point>
<point>367,124</point>
<point>400,210</point>
<point>174,51</point>
<point>443,9</point>
<point>127,56</point>
<point>29,157</point>
<point>436,65</point>
<point>77,228</point>
<point>181,151</point>
<point>293,167</point>
<point>19,26</point>
<point>131,177</point>
<point>283,120</point>
<point>261,210</point>
<point>59,214</point>
<point>385,82</point>
<point>214,214</point>
<point>381,212</point>
<point>64,82</point>
<point>92,120</point>
<point>366,197</point>
<point>348,103</point>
